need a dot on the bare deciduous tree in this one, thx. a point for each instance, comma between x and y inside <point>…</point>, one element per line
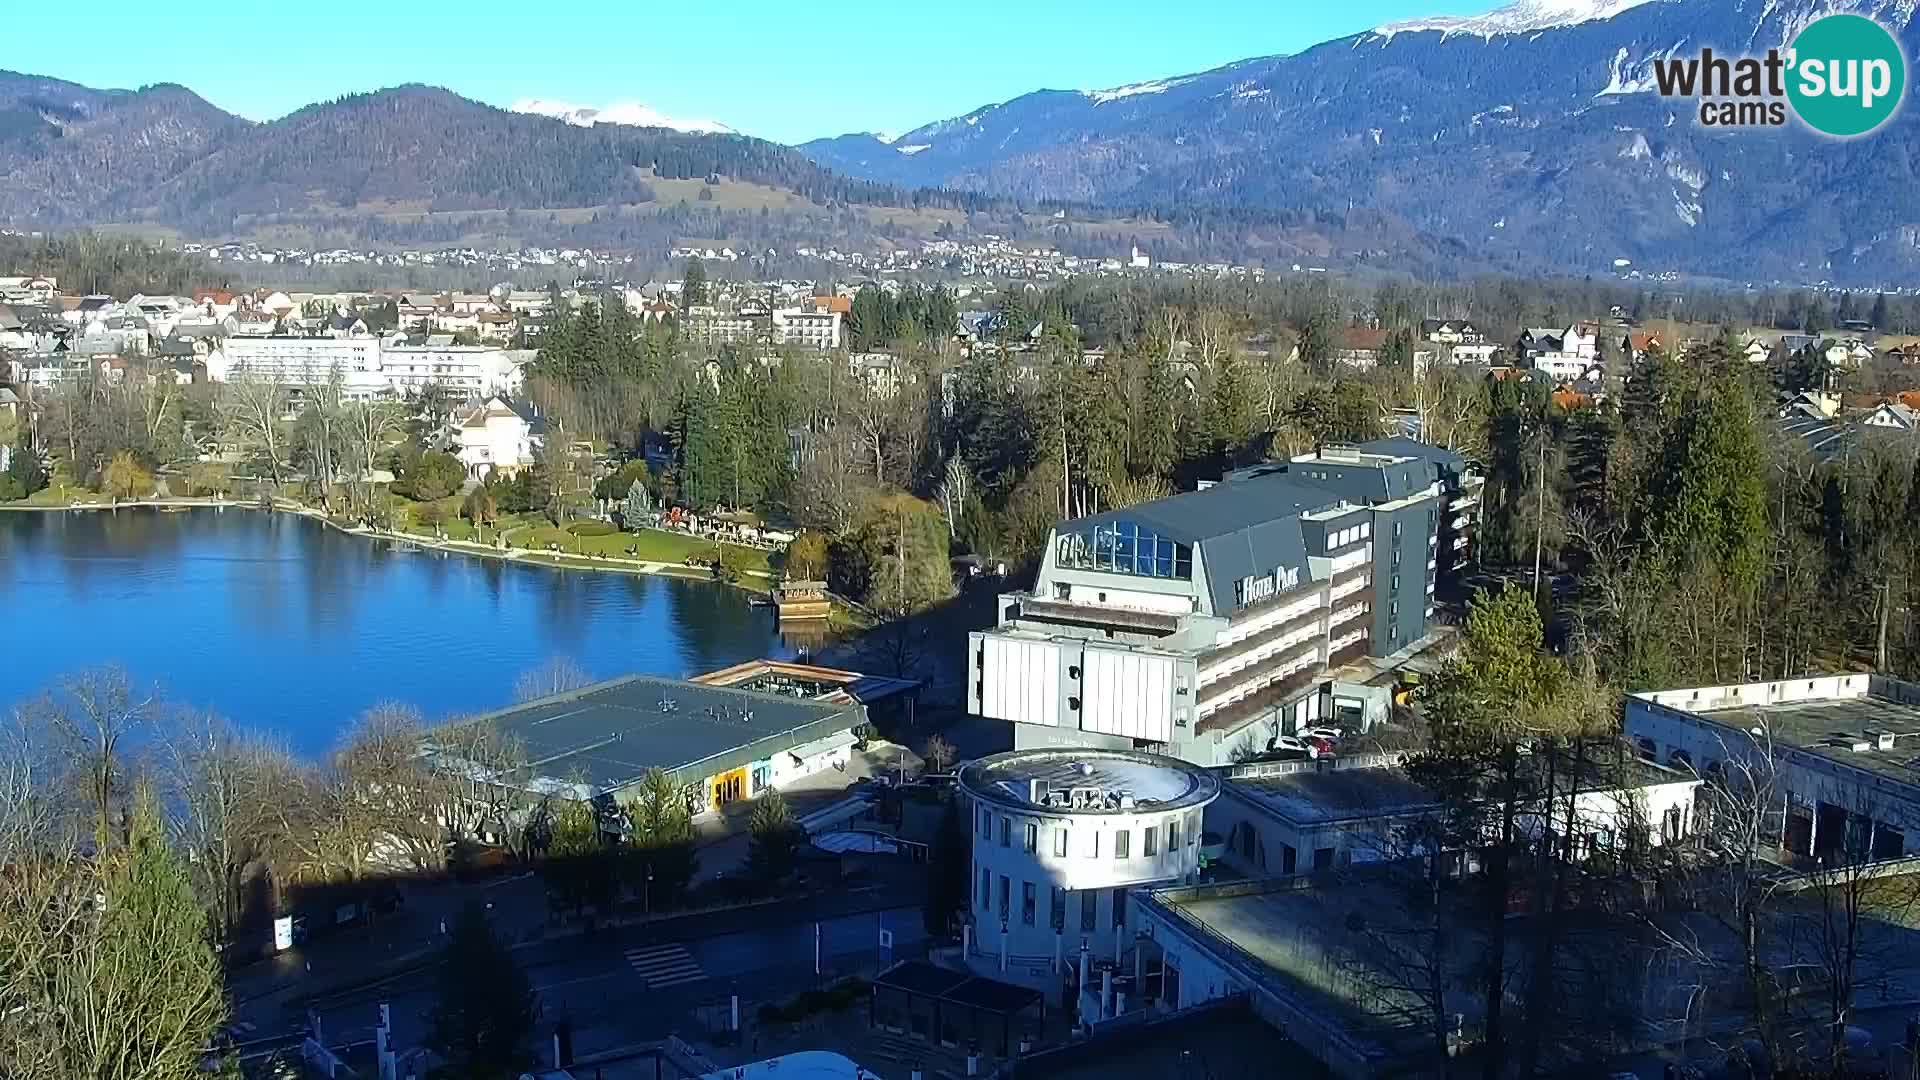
<point>89,719</point>
<point>226,787</point>
<point>251,411</point>
<point>557,676</point>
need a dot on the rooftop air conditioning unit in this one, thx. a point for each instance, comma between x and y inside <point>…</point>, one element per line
<point>1884,742</point>
<point>1037,792</point>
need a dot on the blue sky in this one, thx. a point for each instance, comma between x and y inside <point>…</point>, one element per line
<point>786,72</point>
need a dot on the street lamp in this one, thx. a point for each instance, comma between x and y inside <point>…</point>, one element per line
<point>646,894</point>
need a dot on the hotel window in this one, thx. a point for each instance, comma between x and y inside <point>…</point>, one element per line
<point>1119,907</point>
<point>986,890</point>
<point>1026,902</point>
<point>986,824</point>
<point>1123,844</point>
<point>1006,824</point>
<point>1006,895</point>
<point>1093,843</point>
<point>1031,843</point>
<point>1057,909</point>
<point>1173,835</point>
<point>1060,842</point>
<point>1089,909</point>
<point>1150,842</point>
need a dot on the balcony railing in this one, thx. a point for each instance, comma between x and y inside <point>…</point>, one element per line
<point>1058,611</point>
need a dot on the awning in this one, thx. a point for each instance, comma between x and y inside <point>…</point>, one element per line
<point>822,746</point>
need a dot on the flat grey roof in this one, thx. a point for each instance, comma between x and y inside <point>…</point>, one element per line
<point>1313,797</point>
<point>1155,783</point>
<point>609,734</point>
<point>1222,510</point>
<point>1830,727</point>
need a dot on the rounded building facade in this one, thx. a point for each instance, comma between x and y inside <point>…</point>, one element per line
<point>1060,835</point>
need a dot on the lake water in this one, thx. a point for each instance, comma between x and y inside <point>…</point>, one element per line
<point>282,624</point>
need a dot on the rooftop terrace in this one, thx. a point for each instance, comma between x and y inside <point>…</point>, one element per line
<point>1123,781</point>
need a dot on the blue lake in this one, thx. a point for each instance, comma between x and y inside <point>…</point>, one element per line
<point>284,625</point>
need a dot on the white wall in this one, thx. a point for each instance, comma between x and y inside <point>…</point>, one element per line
<point>1088,865</point>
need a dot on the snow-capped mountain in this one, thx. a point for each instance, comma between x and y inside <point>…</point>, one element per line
<point>1523,17</point>
<point>629,113</point>
<point>1532,133</point>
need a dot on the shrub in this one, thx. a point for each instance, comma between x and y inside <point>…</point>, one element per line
<point>591,528</point>
<point>432,514</point>
<point>434,476</point>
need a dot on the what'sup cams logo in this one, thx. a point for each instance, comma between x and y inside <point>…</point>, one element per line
<point>1843,76</point>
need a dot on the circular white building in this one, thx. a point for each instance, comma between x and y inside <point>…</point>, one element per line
<point>1060,835</point>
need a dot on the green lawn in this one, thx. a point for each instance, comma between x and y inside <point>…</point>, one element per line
<point>651,545</point>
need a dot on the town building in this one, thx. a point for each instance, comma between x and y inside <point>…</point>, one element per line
<point>806,328</point>
<point>1459,341</point>
<point>499,435</point>
<point>1841,753</point>
<point>1202,625</point>
<point>370,366</point>
<point>1060,836</point>
<point>1563,355</point>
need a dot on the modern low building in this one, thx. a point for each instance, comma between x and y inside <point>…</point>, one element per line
<point>1841,753</point>
<point>1060,836</point>
<point>721,743</point>
<point>1296,817</point>
<point>1203,625</point>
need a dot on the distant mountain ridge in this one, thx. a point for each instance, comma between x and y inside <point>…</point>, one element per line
<point>418,165</point>
<point>73,155</point>
<point>1530,134</point>
<point>625,113</point>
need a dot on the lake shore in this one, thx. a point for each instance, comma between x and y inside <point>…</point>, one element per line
<point>753,581</point>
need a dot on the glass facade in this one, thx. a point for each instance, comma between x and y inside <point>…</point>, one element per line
<point>1122,547</point>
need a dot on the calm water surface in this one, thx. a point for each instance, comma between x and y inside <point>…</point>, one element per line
<point>282,624</point>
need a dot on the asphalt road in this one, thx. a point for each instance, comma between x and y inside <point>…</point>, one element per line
<point>618,988</point>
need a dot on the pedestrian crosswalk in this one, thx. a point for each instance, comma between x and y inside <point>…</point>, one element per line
<point>665,965</point>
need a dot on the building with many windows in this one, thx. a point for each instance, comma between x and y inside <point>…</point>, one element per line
<point>1060,836</point>
<point>1203,625</point>
<point>369,366</point>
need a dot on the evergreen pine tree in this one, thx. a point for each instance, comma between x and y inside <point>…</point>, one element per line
<point>484,1013</point>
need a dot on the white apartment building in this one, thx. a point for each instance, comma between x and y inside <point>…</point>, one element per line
<point>369,366</point>
<point>1059,836</point>
<point>808,328</point>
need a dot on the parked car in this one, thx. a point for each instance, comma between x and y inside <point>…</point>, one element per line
<point>1292,744</point>
<point>1329,733</point>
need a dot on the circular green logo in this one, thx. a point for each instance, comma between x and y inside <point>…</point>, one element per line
<point>1846,75</point>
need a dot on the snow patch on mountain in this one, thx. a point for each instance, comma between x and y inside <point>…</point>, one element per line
<point>912,150</point>
<point>1794,15</point>
<point>1521,17</point>
<point>1159,86</point>
<point>1627,77</point>
<point>626,113</point>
